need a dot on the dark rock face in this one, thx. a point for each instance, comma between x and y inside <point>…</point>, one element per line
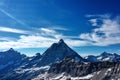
<point>78,68</point>
<point>15,66</point>
<point>75,69</point>
<point>10,58</point>
<point>21,76</point>
<point>19,72</point>
<point>58,51</point>
<point>109,57</point>
<point>33,60</point>
<point>10,55</point>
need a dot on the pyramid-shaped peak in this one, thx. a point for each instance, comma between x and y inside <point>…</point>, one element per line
<point>56,52</point>
<point>11,49</point>
<point>105,53</point>
<point>61,41</point>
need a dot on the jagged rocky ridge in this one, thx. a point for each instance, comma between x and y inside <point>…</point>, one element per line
<point>56,52</point>
<point>102,70</point>
<point>26,67</point>
<point>103,57</point>
<point>10,59</point>
<point>30,67</point>
<point>68,62</point>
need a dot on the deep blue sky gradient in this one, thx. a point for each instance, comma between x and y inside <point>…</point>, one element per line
<point>70,14</point>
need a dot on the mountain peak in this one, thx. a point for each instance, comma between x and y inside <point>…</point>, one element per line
<point>11,49</point>
<point>38,54</point>
<point>57,52</point>
<point>61,41</point>
<point>105,54</point>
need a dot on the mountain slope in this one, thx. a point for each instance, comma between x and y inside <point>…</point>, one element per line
<point>69,69</point>
<point>103,57</point>
<point>59,62</point>
<point>57,52</point>
<point>10,60</point>
<point>108,57</point>
<point>23,68</point>
<point>33,66</point>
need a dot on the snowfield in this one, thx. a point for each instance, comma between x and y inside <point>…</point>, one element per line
<point>61,76</point>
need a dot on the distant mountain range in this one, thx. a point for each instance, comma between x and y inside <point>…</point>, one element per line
<point>103,57</point>
<point>59,58</point>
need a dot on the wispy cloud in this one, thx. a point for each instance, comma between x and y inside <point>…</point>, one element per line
<point>13,30</point>
<point>94,22</point>
<point>31,41</point>
<point>14,18</point>
<point>50,33</point>
<point>107,33</point>
<point>43,39</point>
<point>58,28</point>
<point>7,39</point>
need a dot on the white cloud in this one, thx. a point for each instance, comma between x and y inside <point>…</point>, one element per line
<point>98,16</point>
<point>58,28</point>
<point>50,33</point>
<point>43,39</point>
<point>37,41</point>
<point>77,43</point>
<point>28,42</point>
<point>13,30</point>
<point>47,30</point>
<point>94,22</point>
<point>6,39</point>
<point>107,33</point>
<point>40,40</point>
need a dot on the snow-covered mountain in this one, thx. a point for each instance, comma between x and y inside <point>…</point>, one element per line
<point>10,59</point>
<point>108,57</point>
<point>103,57</point>
<point>33,61</point>
<point>91,58</point>
<point>15,66</point>
<point>56,52</point>
<point>59,62</point>
<point>71,70</point>
<point>33,66</point>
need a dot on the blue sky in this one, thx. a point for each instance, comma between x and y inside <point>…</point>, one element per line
<point>87,26</point>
